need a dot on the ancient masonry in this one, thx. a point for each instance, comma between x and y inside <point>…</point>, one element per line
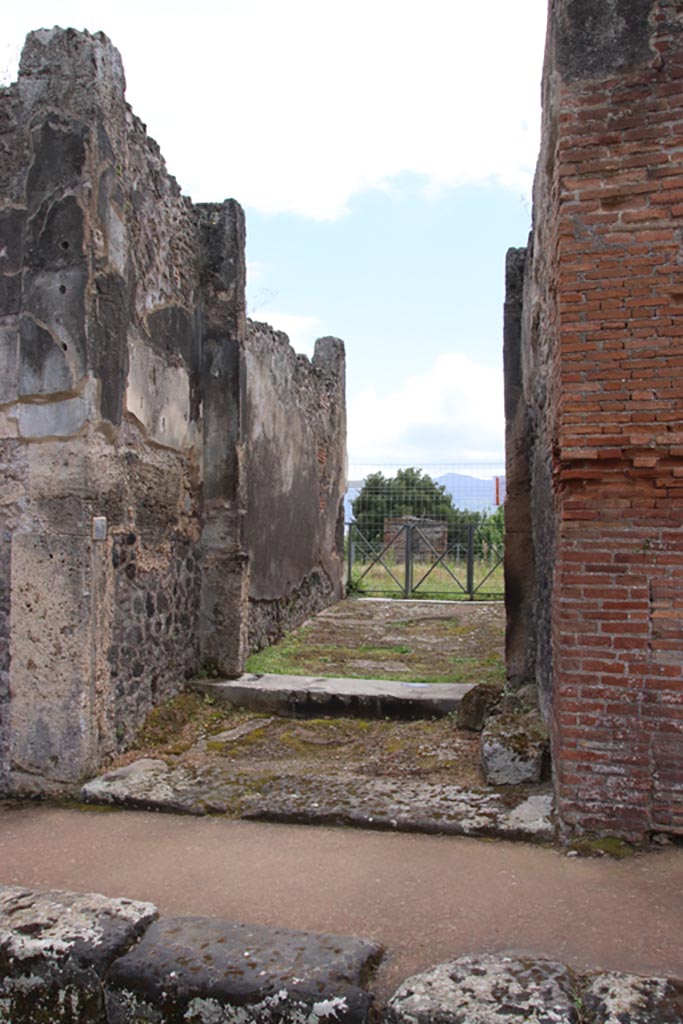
<point>172,474</point>
<point>594,373</point>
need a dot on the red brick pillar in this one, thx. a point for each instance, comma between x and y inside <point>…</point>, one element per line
<point>603,344</point>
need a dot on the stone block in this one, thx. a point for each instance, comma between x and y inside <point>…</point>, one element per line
<point>43,366</point>
<point>514,749</point>
<point>12,233</point>
<point>484,989</point>
<point>53,419</point>
<point>615,998</point>
<point>203,970</point>
<point>55,950</point>
<point>56,299</point>
<point>477,705</point>
<point>158,395</point>
<point>53,714</point>
<point>9,348</point>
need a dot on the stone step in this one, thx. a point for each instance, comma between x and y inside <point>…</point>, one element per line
<point>306,696</point>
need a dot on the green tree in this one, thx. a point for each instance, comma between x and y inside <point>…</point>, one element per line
<point>410,493</point>
<point>491,533</point>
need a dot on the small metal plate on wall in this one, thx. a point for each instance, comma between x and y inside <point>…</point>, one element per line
<point>99,527</point>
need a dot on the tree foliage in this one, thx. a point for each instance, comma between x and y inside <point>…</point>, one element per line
<point>491,533</point>
<point>410,493</point>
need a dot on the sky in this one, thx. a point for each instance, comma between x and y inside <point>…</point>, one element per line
<point>384,154</point>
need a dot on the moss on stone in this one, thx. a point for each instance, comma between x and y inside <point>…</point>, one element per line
<point>602,846</point>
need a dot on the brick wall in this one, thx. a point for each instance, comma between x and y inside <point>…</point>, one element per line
<point>602,352</point>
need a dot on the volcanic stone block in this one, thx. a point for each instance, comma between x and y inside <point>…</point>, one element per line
<point>196,970</point>
<point>477,706</point>
<point>55,949</point>
<point>479,990</point>
<point>514,749</point>
<point>615,998</point>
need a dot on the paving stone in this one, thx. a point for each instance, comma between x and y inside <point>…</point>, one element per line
<point>208,971</point>
<point>514,749</point>
<point>403,805</point>
<point>400,804</point>
<point>486,990</point>
<point>150,784</point>
<point>55,949</point>
<point>628,999</point>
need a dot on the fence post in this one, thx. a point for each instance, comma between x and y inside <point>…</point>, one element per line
<point>408,586</point>
<point>470,560</point>
<point>350,554</point>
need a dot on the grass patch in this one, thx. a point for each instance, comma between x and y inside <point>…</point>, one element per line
<point>430,582</point>
<point>489,669</point>
<point>602,846</point>
<point>431,647</point>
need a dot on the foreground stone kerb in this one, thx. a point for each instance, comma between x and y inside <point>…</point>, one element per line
<point>56,949</point>
<point>67,958</point>
<point>603,378</point>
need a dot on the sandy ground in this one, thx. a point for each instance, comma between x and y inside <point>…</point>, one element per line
<point>425,898</point>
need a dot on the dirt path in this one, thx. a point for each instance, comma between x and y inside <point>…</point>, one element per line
<point>416,641</point>
<point>411,640</point>
<point>426,898</point>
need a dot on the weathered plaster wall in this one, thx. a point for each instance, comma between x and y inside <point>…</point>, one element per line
<point>294,431</point>
<point>99,347</point>
<point>601,376</point>
<point>122,421</point>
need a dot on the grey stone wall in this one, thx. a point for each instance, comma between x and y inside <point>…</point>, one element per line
<point>100,350</point>
<point>295,433</point>
<point>155,636</point>
<point>4,660</point>
<point>519,553</point>
<point>532,396</point>
<point>124,381</point>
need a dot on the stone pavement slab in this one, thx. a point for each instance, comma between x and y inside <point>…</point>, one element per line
<point>486,990</point>
<point>316,695</point>
<point>489,989</point>
<point>198,969</point>
<point>395,803</point>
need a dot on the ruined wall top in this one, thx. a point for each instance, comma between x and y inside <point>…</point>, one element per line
<point>588,39</point>
<point>90,63</point>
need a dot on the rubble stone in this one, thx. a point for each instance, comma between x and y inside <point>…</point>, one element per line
<point>514,749</point>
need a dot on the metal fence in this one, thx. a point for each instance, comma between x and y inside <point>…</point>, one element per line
<point>416,532</point>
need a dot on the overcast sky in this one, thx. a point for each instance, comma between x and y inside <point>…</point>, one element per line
<point>383,151</point>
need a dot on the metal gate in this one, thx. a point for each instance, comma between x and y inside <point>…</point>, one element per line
<point>416,559</point>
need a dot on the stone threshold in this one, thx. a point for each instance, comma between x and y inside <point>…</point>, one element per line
<point>318,695</point>
<point>395,804</point>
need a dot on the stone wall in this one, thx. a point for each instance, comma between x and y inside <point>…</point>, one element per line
<point>594,393</point>
<point>295,415</point>
<point>124,370</point>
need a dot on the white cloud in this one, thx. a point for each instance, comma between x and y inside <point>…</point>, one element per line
<point>451,413</point>
<point>302,331</point>
<point>298,106</point>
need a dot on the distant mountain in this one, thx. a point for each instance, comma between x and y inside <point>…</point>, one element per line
<point>473,493</point>
<point>468,492</point>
